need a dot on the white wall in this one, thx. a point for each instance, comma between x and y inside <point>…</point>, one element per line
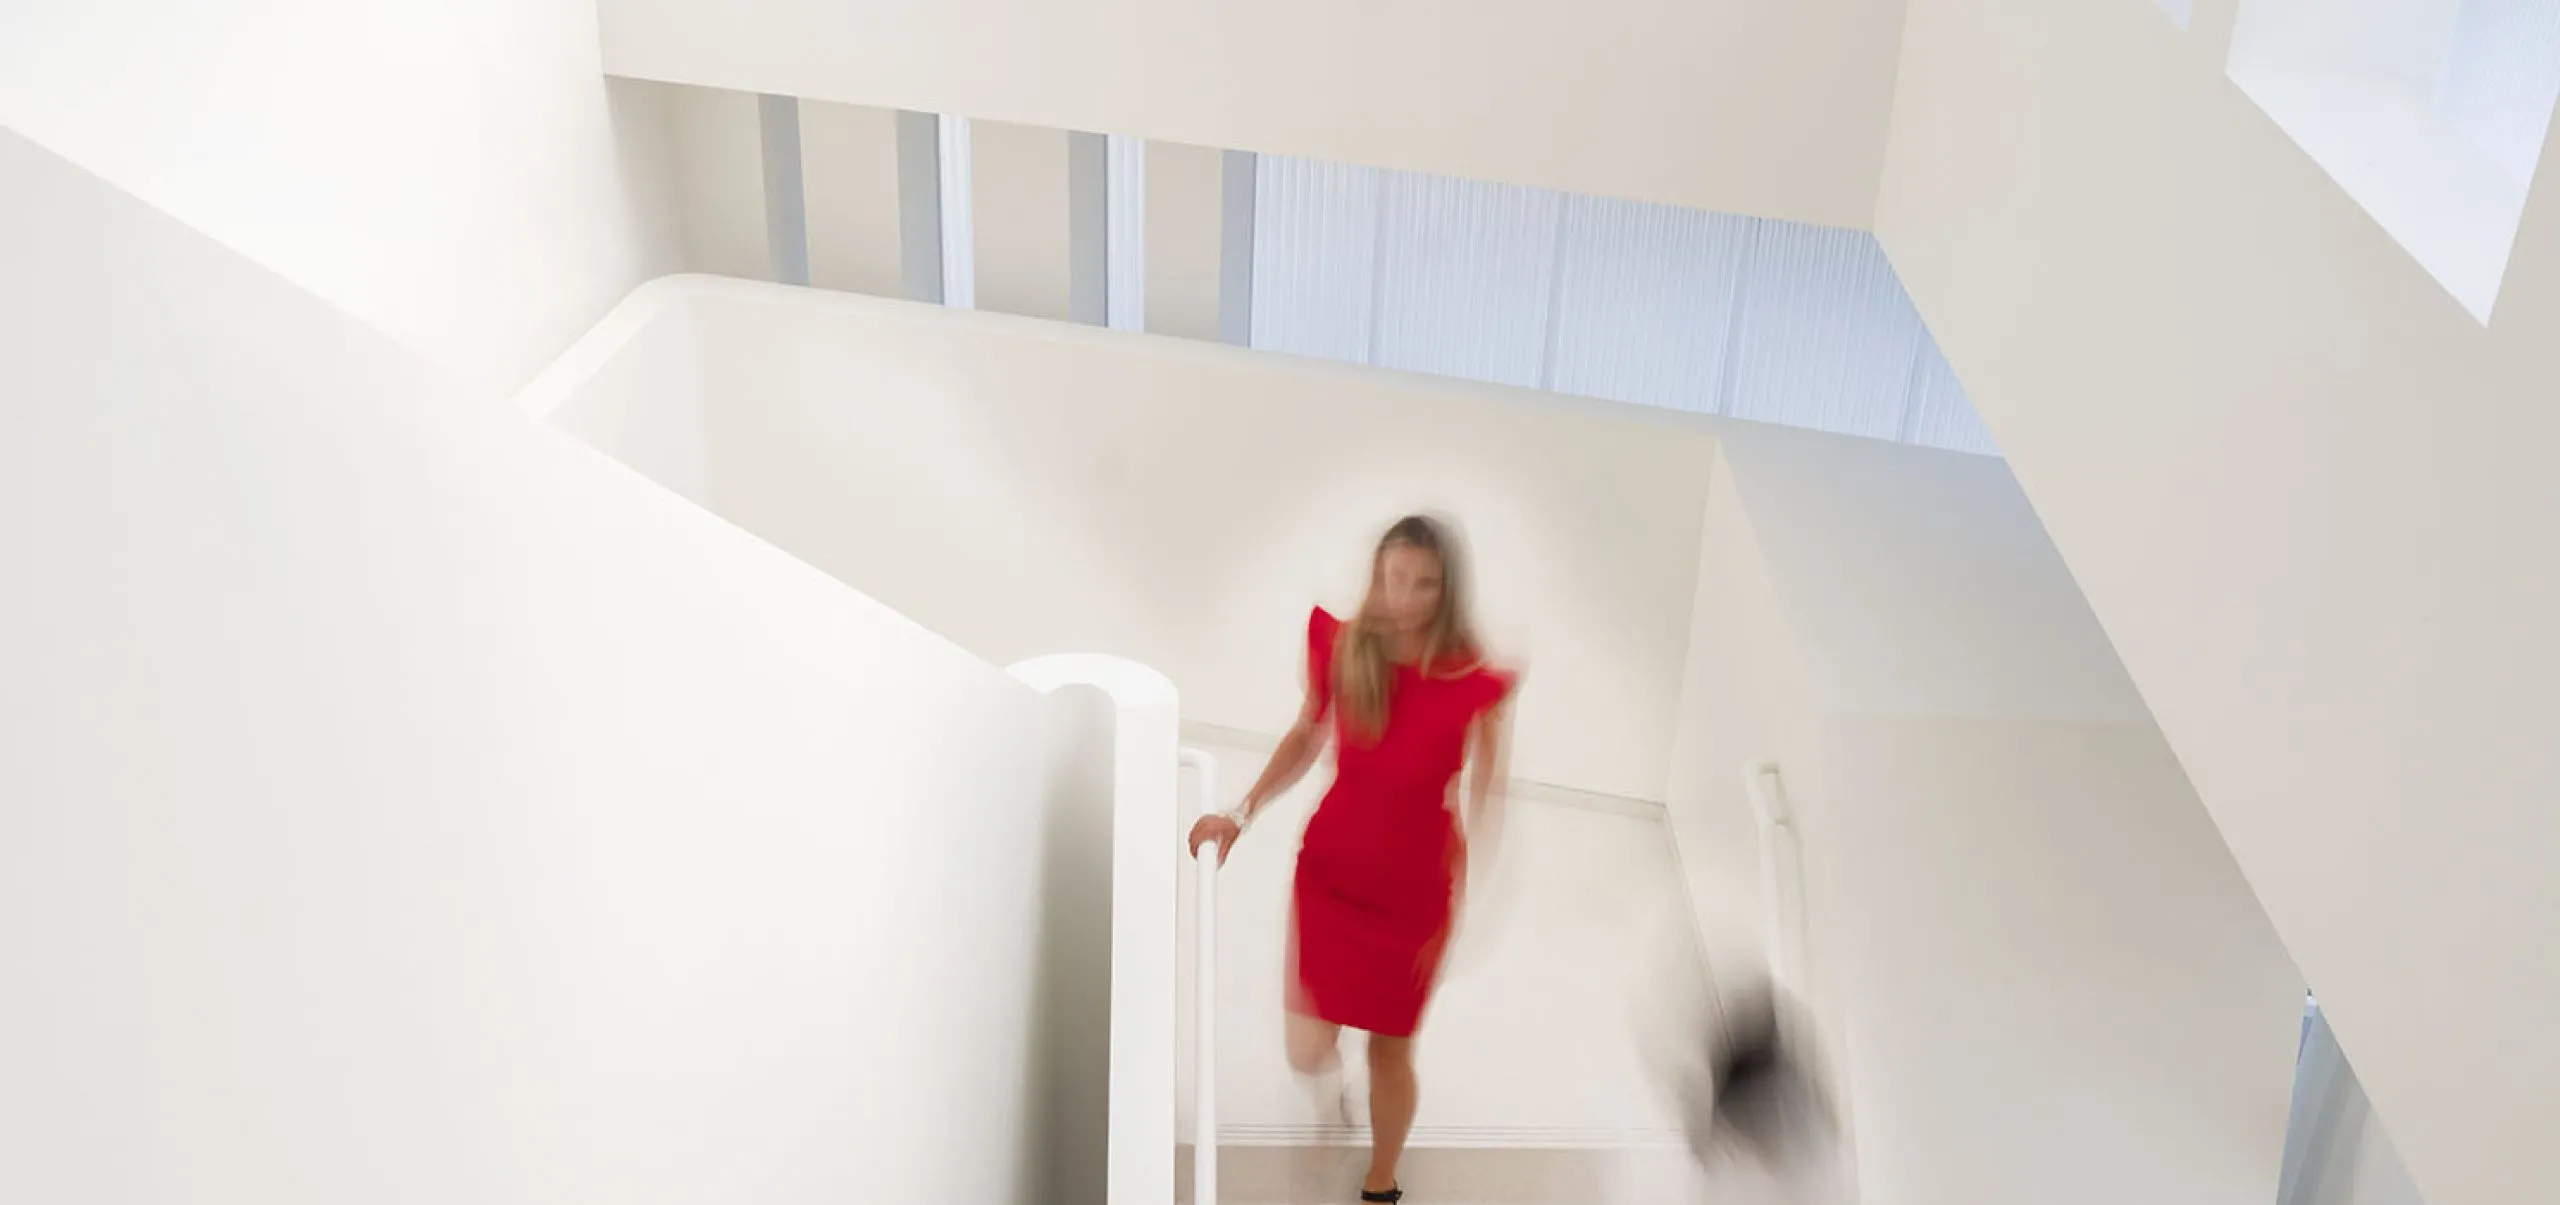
<point>2053,981</point>
<point>2307,494</point>
<point>1018,190</point>
<point>458,175</point>
<point>717,151</point>
<point>849,161</point>
<point>2032,961</point>
<point>1024,487</point>
<point>406,804</point>
<point>849,171</point>
<point>1186,191</point>
<point>1771,110</point>
<point>624,408</point>
<point>1021,228</point>
<point>1744,698</point>
<point>1918,582</point>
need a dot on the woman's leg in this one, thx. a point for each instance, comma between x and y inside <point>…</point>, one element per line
<point>1393,1094</point>
<point>1314,1045</point>
<point>1314,1048</point>
<point>1315,1054</point>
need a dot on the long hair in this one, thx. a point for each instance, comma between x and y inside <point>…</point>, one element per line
<point>1363,661</point>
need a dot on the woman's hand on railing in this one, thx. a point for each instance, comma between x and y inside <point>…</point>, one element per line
<point>1222,829</point>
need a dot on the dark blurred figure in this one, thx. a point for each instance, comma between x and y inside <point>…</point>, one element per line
<point>1758,1093</point>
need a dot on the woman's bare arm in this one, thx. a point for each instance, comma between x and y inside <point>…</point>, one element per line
<point>1489,762</point>
<point>1289,762</point>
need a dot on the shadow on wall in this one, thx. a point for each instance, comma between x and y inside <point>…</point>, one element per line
<point>1107,883</point>
<point>1067,1119</point>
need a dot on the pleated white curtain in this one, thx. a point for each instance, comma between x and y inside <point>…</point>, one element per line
<point>1772,321</point>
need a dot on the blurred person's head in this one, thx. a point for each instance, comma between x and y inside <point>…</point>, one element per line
<point>1418,586</point>
<point>1417,611</point>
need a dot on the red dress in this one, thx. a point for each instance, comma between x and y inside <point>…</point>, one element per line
<point>1382,863</point>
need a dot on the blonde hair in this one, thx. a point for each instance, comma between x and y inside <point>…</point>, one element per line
<point>1363,661</point>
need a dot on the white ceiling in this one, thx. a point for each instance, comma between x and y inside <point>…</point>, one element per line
<point>1746,106</point>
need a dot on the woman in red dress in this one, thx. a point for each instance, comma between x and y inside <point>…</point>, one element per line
<point>1381,868</point>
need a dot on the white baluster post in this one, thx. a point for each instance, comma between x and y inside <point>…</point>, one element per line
<point>1204,996</point>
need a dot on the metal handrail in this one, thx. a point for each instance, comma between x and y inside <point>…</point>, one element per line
<point>1204,996</point>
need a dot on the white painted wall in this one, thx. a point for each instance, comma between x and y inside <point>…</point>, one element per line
<point>849,157</point>
<point>1918,582</point>
<point>407,804</point>
<point>849,172</point>
<point>625,407</point>
<point>1747,699</point>
<point>717,151</point>
<point>1024,487</point>
<point>1019,205</point>
<point>1185,191</point>
<point>1744,697</point>
<point>1771,110</point>
<point>2307,494</point>
<point>458,175</point>
<point>2032,962</point>
<point>2052,980</point>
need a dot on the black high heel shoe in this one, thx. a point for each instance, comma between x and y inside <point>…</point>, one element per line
<point>1391,1195</point>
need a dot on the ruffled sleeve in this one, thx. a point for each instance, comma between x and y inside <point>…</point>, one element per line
<point>1324,632</point>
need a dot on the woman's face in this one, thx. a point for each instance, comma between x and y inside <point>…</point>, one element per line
<point>1409,580</point>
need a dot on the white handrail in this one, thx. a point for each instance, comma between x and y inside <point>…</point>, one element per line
<point>1760,781</point>
<point>1204,997</point>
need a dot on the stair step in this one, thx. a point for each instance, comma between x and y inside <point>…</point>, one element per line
<point>1326,1175</point>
